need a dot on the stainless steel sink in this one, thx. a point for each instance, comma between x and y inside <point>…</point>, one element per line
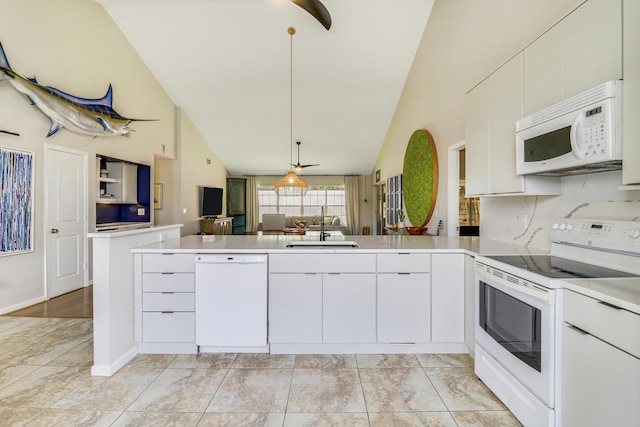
<point>322,244</point>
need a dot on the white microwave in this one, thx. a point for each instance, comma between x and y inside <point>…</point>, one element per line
<point>581,134</point>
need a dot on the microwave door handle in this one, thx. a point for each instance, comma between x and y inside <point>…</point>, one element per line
<point>577,135</point>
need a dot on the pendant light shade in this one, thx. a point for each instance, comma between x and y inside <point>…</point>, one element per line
<point>291,184</point>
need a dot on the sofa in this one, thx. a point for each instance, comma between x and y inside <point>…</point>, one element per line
<point>332,223</point>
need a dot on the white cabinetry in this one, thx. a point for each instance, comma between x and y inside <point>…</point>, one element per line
<point>492,109</point>
<point>600,364</point>
<point>579,52</point>
<point>322,298</point>
<point>404,298</point>
<point>631,95</point>
<point>167,304</point>
<point>448,297</point>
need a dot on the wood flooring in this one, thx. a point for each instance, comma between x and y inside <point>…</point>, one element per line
<point>75,304</point>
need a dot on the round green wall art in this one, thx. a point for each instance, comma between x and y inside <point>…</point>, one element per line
<point>420,177</point>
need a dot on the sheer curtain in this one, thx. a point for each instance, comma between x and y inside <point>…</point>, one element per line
<point>252,205</point>
<point>352,202</point>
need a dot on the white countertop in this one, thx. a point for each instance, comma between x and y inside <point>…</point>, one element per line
<point>278,243</point>
<point>127,231</point>
<point>621,292</point>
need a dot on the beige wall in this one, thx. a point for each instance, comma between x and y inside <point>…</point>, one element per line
<point>464,41</point>
<point>73,45</point>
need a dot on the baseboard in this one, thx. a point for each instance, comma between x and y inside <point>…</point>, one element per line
<point>108,370</point>
<point>22,305</point>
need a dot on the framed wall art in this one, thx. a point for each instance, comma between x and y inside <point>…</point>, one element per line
<point>16,202</point>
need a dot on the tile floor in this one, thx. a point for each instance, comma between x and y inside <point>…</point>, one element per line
<point>45,381</point>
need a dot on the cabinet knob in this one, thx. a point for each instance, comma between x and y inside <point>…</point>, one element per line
<point>54,231</point>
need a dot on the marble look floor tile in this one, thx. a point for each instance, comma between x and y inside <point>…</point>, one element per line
<point>180,390</point>
<point>326,390</point>
<point>12,373</point>
<point>326,419</point>
<point>153,361</point>
<point>259,360</point>
<point>387,361</point>
<point>13,325</point>
<point>252,390</point>
<point>486,418</point>
<point>155,419</point>
<point>226,419</point>
<point>18,417</point>
<point>81,355</point>
<point>42,387</point>
<point>461,390</point>
<point>204,360</point>
<point>114,393</point>
<point>326,361</point>
<point>73,418</point>
<point>444,360</point>
<point>412,419</point>
<point>399,389</point>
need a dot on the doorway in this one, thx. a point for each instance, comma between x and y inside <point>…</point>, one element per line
<point>65,220</point>
<point>381,208</point>
<point>463,212</point>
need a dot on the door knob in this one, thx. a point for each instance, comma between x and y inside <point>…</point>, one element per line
<point>54,231</point>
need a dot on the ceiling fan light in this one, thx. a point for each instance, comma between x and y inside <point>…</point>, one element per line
<point>291,185</point>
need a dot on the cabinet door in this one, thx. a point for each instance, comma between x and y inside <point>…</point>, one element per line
<point>592,45</point>
<point>295,308</point>
<point>543,71</point>
<point>505,93</point>
<point>349,308</point>
<point>477,118</point>
<point>404,308</point>
<point>447,293</point>
<point>599,382</point>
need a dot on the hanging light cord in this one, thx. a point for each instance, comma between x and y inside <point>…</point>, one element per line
<point>291,32</point>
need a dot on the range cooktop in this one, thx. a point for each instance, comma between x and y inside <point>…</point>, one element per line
<point>559,268</point>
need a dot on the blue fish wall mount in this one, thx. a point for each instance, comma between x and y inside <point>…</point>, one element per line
<point>94,117</point>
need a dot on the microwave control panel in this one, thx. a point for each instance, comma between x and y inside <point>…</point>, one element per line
<point>619,236</point>
<point>594,132</point>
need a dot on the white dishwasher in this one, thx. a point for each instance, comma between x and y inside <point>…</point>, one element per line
<point>231,303</point>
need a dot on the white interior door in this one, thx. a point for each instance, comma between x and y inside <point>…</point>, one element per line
<point>65,219</point>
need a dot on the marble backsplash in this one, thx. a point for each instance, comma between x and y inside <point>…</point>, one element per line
<point>593,196</point>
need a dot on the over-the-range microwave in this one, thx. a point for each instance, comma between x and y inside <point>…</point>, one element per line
<point>581,134</point>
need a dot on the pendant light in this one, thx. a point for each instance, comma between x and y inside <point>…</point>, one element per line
<point>291,184</point>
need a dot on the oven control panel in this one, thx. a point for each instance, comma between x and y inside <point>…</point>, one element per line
<point>619,236</point>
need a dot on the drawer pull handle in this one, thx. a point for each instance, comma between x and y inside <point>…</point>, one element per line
<point>404,253</point>
<point>168,293</point>
<point>404,274</point>
<point>167,254</point>
<point>606,304</point>
<point>168,273</point>
<point>167,312</point>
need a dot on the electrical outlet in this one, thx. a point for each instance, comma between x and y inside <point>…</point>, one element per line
<point>523,220</point>
<point>140,211</point>
<point>184,211</point>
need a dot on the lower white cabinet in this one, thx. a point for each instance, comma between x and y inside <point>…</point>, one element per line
<point>349,308</point>
<point>168,327</point>
<point>404,301</point>
<point>295,308</point>
<point>600,364</point>
<point>447,298</point>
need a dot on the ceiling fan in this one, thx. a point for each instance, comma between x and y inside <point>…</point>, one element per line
<point>317,10</point>
<point>298,166</point>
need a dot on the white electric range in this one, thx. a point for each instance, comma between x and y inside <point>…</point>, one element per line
<point>519,310</point>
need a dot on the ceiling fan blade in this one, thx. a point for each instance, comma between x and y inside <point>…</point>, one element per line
<point>306,166</point>
<point>317,10</point>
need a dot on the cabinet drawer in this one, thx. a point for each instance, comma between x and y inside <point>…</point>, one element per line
<point>168,327</point>
<point>322,263</point>
<point>168,301</point>
<point>168,282</point>
<point>404,262</point>
<point>168,263</point>
<point>616,326</point>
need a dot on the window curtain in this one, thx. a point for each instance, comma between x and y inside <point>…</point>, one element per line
<point>352,202</point>
<point>252,205</point>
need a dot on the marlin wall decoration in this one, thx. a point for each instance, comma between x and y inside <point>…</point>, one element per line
<point>94,117</point>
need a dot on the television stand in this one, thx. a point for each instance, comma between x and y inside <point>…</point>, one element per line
<point>216,225</point>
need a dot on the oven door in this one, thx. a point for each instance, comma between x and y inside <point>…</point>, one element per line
<point>515,325</point>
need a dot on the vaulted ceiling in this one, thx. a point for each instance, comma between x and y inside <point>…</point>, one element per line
<point>227,64</point>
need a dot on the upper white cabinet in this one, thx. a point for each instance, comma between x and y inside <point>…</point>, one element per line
<point>579,52</point>
<point>492,109</point>
<point>631,94</point>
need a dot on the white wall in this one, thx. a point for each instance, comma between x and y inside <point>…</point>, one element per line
<point>72,45</point>
<point>465,41</point>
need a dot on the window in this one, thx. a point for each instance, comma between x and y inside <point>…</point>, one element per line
<point>330,196</point>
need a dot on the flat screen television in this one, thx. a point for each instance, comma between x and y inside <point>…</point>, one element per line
<point>210,201</point>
